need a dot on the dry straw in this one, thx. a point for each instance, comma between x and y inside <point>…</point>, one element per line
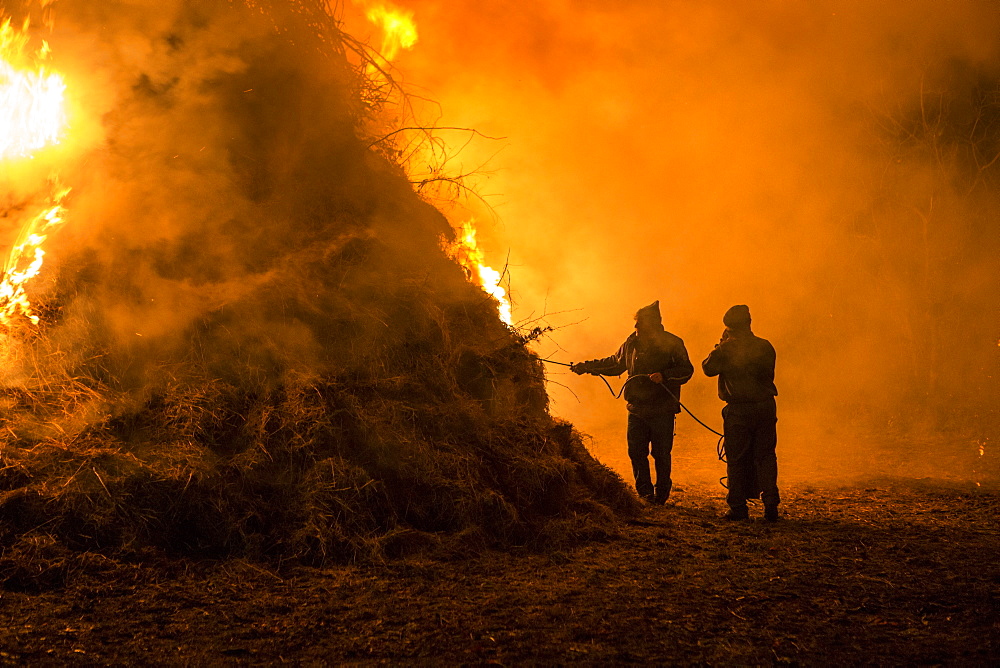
<point>355,399</point>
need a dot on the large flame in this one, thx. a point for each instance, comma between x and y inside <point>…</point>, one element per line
<point>32,109</point>
<point>465,250</point>
<point>32,116</point>
<point>399,30</point>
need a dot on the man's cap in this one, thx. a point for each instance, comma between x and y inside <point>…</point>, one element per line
<point>737,315</point>
<point>649,313</point>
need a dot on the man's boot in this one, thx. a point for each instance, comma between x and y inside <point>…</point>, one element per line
<point>737,514</point>
<point>661,495</point>
<point>771,513</point>
<point>645,491</point>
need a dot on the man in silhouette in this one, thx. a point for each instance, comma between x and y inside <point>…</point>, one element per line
<point>744,364</point>
<point>657,364</point>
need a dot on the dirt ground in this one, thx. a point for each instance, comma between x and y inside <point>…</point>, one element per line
<point>900,572</point>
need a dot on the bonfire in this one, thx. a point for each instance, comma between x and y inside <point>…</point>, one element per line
<point>231,327</point>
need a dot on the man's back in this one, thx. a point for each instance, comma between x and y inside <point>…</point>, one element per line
<point>745,366</point>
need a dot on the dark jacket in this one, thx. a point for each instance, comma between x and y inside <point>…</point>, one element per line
<point>744,364</point>
<point>663,353</point>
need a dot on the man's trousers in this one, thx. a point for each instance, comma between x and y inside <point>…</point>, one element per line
<point>654,435</point>
<point>751,461</point>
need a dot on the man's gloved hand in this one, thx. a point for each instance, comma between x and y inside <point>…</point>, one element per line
<point>579,368</point>
<point>656,377</point>
<point>725,337</point>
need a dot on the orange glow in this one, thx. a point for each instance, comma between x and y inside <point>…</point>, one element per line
<point>465,250</point>
<point>32,109</point>
<point>399,31</point>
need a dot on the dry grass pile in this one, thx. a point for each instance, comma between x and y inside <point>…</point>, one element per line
<point>335,469</point>
<point>422,443</point>
<point>284,363</point>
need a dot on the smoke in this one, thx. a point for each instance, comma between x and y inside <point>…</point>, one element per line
<point>830,164</point>
<point>251,334</point>
<point>226,221</point>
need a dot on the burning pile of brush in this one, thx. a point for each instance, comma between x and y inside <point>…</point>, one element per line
<point>229,326</point>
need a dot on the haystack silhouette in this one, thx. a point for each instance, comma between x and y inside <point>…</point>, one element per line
<point>253,343</point>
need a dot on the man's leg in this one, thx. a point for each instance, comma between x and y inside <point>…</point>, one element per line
<point>739,459</point>
<point>765,444</point>
<point>662,442</point>
<point>638,436</point>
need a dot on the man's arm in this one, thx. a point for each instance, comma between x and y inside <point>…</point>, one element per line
<point>606,366</point>
<point>713,364</point>
<point>768,363</point>
<point>680,369</point>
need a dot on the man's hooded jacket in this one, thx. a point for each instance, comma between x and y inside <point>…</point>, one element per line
<point>661,352</point>
<point>743,361</point>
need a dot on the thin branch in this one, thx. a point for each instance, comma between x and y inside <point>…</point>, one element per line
<point>430,129</point>
<point>564,386</point>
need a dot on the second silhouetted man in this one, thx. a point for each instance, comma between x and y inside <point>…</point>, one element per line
<point>744,364</point>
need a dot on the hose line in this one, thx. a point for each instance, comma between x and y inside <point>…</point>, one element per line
<point>720,447</point>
